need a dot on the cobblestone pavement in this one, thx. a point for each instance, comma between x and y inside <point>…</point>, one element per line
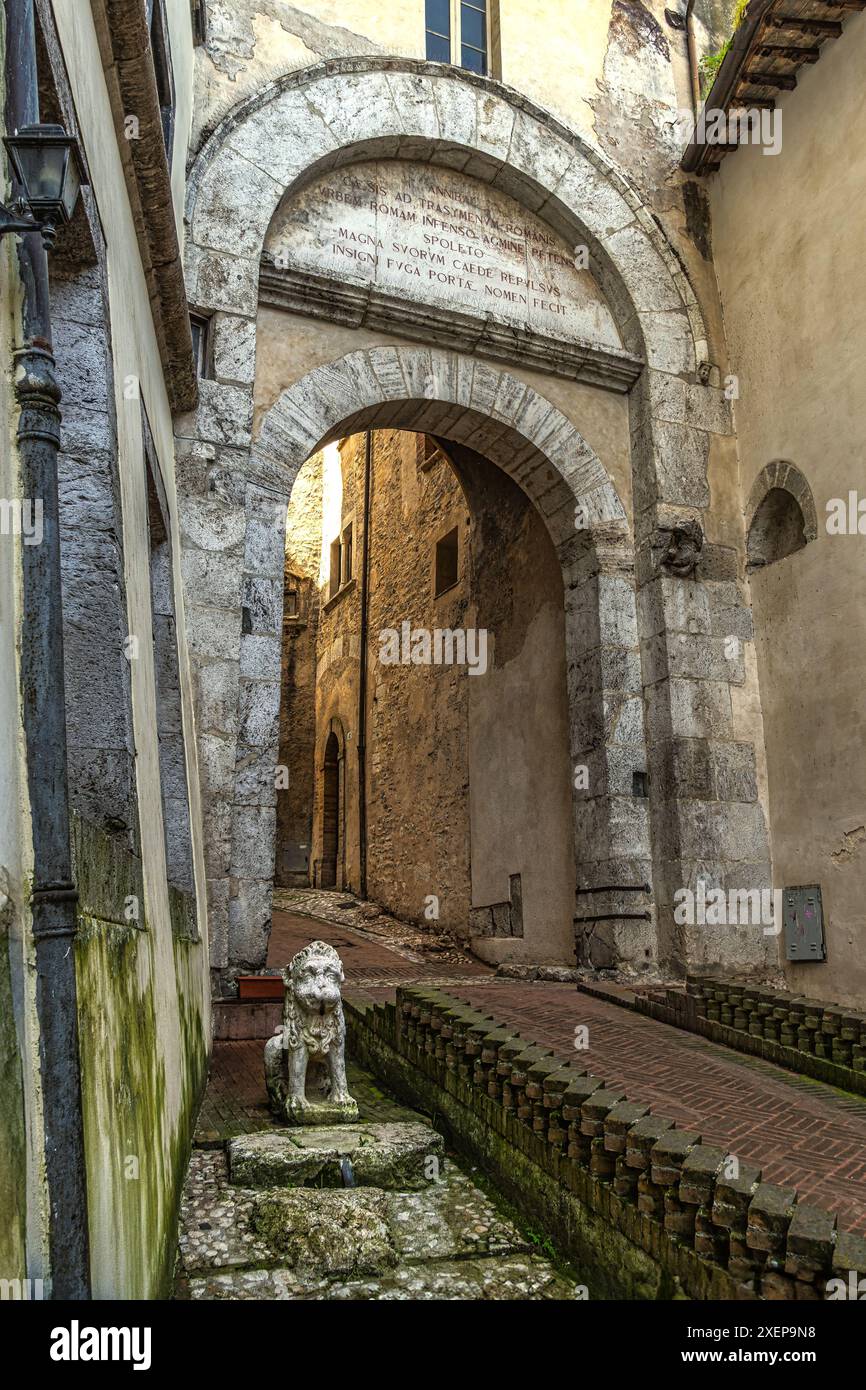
<point>450,1241</point>
<point>417,942</point>
<point>373,952</point>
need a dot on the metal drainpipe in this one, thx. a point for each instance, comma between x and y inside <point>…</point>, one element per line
<point>362,677</point>
<point>694,71</point>
<point>53,898</point>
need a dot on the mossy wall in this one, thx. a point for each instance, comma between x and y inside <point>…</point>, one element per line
<point>13,1155</point>
<point>144,1023</point>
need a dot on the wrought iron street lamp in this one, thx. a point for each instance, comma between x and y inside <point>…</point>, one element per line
<point>48,167</point>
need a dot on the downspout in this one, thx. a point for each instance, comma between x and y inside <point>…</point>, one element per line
<point>694,71</point>
<point>53,897</point>
<point>362,676</point>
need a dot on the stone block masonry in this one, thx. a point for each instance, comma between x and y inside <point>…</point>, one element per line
<point>645,1205</point>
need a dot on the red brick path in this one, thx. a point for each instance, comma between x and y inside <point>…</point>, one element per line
<point>800,1132</point>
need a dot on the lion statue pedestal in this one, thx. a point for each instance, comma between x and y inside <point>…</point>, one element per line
<point>305,1064</point>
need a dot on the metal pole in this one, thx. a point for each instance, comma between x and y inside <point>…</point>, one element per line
<point>53,899</point>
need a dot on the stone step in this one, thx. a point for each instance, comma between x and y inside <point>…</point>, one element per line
<point>397,1156</point>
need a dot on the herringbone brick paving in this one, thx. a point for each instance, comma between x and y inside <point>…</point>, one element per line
<point>800,1132</point>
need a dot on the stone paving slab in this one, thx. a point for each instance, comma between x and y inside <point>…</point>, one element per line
<point>403,1155</point>
<point>366,959</point>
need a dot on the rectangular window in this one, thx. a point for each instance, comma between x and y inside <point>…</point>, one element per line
<point>438,20</point>
<point>293,604</point>
<point>447,566</point>
<point>336,568</point>
<point>457,32</point>
<point>200,329</point>
<point>473,36</point>
<point>347,555</point>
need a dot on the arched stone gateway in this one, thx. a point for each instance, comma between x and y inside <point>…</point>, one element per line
<point>633,852</point>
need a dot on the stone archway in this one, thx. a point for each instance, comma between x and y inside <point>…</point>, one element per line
<point>351,110</point>
<point>491,411</point>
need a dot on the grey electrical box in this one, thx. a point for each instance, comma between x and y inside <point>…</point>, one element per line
<point>804,923</point>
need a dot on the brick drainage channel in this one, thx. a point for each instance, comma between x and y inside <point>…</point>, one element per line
<point>454,1240</point>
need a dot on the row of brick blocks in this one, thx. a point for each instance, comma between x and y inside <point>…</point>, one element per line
<point>771,1245</point>
<point>821,1030</point>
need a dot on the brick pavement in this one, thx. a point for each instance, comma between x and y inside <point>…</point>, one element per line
<point>800,1132</point>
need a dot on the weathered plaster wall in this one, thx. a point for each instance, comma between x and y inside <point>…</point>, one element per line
<point>520,772</point>
<point>794,314</point>
<point>252,42</point>
<point>144,998</point>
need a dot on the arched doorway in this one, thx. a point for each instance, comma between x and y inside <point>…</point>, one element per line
<point>331,836</point>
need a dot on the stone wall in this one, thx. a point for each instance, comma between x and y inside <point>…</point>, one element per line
<point>301,605</point>
<point>96,669</point>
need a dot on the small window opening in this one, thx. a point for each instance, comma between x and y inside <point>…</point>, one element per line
<point>447,563</point>
<point>199,22</point>
<point>200,328</point>
<point>336,568</point>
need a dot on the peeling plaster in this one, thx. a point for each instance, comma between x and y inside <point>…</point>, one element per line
<point>852,841</point>
<point>233,36</point>
<point>636,110</point>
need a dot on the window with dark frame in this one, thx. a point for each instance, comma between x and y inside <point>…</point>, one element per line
<point>458,33</point>
<point>447,563</point>
<point>200,326</point>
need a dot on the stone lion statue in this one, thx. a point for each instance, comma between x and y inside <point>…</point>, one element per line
<point>305,1065</point>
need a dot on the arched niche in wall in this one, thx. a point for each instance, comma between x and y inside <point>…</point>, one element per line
<point>782,512</point>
